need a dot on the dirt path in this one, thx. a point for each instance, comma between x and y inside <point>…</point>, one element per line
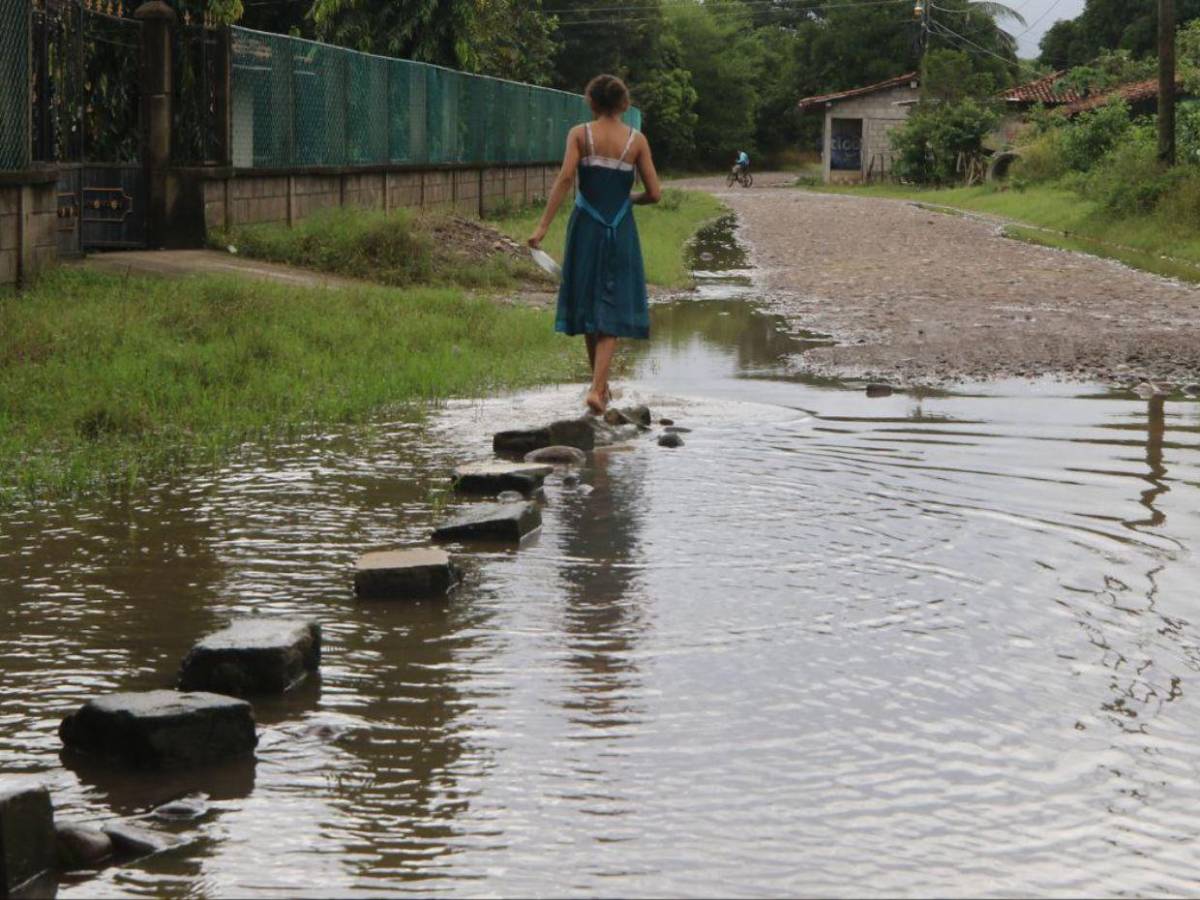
<point>926,297</point>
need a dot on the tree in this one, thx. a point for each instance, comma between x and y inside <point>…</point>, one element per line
<point>596,40</point>
<point>436,31</point>
<point>951,76</point>
<point>1109,24</point>
<point>514,39</point>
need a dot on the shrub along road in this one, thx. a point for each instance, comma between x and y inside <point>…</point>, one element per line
<point>925,297</point>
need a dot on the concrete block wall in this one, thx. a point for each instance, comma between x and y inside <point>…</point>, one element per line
<point>28,231</point>
<point>880,113</point>
<point>248,198</point>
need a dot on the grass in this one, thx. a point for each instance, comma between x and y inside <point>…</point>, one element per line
<point>106,380</point>
<point>665,230</point>
<point>402,249</point>
<point>1063,219</point>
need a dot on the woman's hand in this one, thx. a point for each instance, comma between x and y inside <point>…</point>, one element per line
<point>539,234</point>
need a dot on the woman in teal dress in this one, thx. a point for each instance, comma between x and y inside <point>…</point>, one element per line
<point>603,290</point>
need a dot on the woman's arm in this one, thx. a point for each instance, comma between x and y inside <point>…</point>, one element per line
<point>648,174</point>
<point>562,185</point>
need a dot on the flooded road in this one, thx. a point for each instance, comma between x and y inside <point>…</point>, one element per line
<point>926,644</point>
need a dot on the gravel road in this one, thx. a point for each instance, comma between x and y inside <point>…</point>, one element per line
<point>925,297</point>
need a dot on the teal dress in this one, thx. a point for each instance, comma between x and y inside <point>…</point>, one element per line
<point>603,288</point>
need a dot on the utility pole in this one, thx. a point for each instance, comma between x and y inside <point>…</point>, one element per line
<point>1166,82</point>
<point>921,9</point>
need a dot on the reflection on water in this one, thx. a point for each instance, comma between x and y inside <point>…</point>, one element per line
<point>928,644</point>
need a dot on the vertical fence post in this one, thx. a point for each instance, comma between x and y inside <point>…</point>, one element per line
<point>157,20</point>
<point>223,111</point>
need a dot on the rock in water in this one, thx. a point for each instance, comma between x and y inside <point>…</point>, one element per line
<point>558,456</point>
<point>1193,389</point>
<point>184,809</point>
<point>666,421</point>
<point>491,522</point>
<point>132,842</point>
<point>161,729</point>
<point>677,429</point>
<point>510,497</point>
<point>399,574</point>
<point>494,477</point>
<point>27,842</point>
<point>259,655</point>
<point>568,432</point>
<point>638,415</point>
<point>670,440</point>
<point>82,848</point>
<point>879,390</point>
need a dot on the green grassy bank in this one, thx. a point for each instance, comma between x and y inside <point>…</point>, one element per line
<point>664,230</point>
<point>1056,216</point>
<point>107,379</point>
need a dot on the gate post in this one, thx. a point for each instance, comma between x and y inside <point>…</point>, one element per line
<point>157,20</point>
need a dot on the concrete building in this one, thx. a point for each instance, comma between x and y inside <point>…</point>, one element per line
<point>857,143</point>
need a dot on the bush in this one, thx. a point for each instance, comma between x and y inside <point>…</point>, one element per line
<point>1042,159</point>
<point>928,145</point>
<point>1093,134</point>
<point>1179,208</point>
<point>1130,181</point>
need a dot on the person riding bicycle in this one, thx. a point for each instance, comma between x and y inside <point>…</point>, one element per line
<point>743,163</point>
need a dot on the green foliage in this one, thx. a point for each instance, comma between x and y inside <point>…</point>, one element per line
<point>1092,134</point>
<point>435,31</point>
<point>668,103</point>
<point>951,76</point>
<point>1108,70</point>
<point>514,39</point>
<point>935,136</point>
<point>1042,159</point>
<point>1129,180</point>
<point>1130,25</point>
<point>105,379</point>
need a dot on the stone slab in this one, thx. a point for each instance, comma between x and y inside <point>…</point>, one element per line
<point>133,842</point>
<point>493,477</point>
<point>153,730</point>
<point>398,574</point>
<point>557,455</point>
<point>508,522</point>
<point>81,848</point>
<point>576,433</point>
<point>27,843</point>
<point>253,655</point>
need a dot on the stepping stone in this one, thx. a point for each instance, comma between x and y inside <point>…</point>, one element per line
<point>879,390</point>
<point>27,846</point>
<point>132,842</point>
<point>638,415</point>
<point>81,848</point>
<point>670,440</point>
<point>507,522</point>
<point>419,572</point>
<point>677,429</point>
<point>559,456</point>
<point>253,655</point>
<point>495,477</point>
<point>161,729</point>
<point>568,432</point>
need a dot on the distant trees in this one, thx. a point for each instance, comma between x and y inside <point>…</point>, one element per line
<point>1108,25</point>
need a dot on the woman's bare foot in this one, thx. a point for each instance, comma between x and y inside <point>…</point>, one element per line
<point>596,402</point>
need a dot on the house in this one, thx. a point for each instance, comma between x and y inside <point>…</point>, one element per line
<point>857,143</point>
<point>1047,92</point>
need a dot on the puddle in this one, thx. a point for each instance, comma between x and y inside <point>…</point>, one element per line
<point>922,644</point>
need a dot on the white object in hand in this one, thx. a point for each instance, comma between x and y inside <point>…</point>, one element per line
<point>545,261</point>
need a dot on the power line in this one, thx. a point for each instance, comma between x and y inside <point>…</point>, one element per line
<point>949,33</point>
<point>720,12</point>
<point>1040,18</point>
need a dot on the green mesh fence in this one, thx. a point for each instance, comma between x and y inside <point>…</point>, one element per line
<point>14,84</point>
<point>297,102</point>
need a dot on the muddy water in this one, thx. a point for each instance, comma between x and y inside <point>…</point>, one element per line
<point>833,645</point>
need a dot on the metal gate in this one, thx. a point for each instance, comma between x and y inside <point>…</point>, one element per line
<point>87,120</point>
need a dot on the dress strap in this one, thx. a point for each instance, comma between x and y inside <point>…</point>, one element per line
<point>628,144</point>
<point>587,128</point>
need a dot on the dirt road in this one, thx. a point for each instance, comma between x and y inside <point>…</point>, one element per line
<point>926,297</point>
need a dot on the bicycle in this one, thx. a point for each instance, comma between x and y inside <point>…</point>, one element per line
<point>739,176</point>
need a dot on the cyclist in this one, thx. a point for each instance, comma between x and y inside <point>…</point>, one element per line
<point>743,163</point>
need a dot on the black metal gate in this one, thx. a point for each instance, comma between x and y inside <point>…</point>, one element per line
<point>87,119</point>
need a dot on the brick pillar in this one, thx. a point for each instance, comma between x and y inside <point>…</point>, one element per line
<point>157,21</point>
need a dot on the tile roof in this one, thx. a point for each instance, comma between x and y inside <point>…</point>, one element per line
<point>898,81</point>
<point>1043,90</point>
<point>1136,92</point>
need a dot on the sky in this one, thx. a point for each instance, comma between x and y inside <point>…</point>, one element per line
<point>1040,15</point>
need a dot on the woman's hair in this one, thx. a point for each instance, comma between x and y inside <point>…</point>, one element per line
<point>608,94</point>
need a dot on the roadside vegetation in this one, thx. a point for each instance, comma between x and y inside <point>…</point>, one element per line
<point>106,380</point>
<point>1091,183</point>
<point>664,229</point>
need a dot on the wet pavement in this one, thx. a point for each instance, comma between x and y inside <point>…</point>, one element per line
<point>930,643</point>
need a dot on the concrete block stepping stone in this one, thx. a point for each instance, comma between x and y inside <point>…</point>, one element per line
<point>568,432</point>
<point>508,522</point>
<point>494,477</point>
<point>397,574</point>
<point>253,655</point>
<point>161,729</point>
<point>27,844</point>
<point>558,456</point>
